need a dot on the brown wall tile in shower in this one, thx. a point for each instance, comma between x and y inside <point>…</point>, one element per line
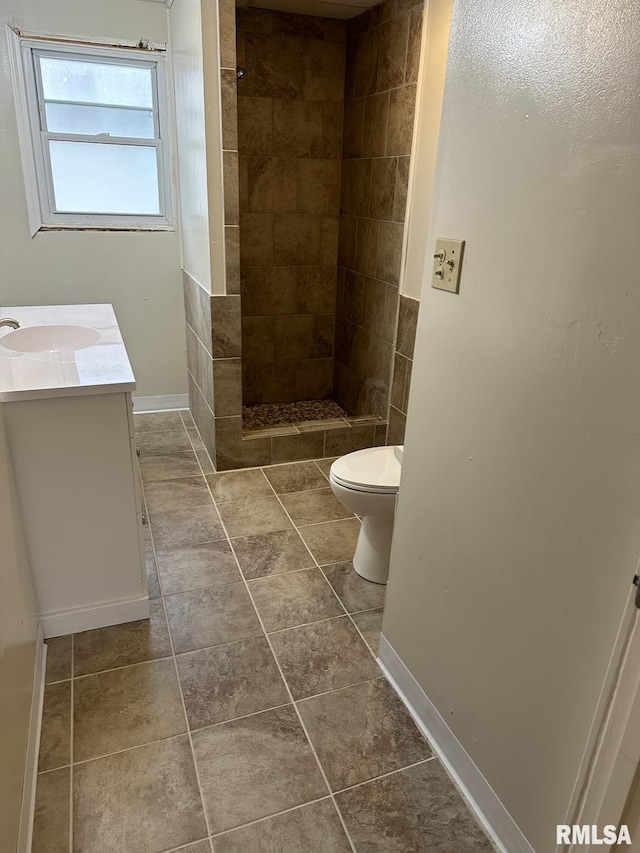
<point>402,367</point>
<point>383,53</point>
<point>290,107</point>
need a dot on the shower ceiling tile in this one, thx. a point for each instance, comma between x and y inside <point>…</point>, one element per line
<point>343,10</point>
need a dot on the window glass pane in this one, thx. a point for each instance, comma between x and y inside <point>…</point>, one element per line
<point>96,82</point>
<point>77,118</point>
<point>96,177</point>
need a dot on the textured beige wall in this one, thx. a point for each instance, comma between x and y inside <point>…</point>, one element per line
<point>17,654</point>
<point>517,530</point>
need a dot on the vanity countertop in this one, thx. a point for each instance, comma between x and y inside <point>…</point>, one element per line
<point>99,369</point>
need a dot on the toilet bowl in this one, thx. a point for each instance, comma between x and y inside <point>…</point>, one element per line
<point>367,482</point>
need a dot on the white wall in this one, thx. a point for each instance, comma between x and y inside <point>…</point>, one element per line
<point>185,44</point>
<point>193,42</point>
<point>17,654</point>
<point>433,63</point>
<point>138,272</point>
<point>517,534</point>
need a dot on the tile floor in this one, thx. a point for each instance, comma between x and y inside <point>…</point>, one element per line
<point>248,715</point>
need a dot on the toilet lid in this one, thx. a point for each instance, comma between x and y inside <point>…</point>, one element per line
<point>375,469</point>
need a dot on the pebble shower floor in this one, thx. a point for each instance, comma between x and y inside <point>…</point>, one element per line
<point>248,715</point>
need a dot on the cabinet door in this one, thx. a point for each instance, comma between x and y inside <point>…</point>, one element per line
<point>76,481</point>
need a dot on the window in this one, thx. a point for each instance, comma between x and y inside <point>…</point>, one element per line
<point>93,134</point>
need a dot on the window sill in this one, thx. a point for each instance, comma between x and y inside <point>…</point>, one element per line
<point>120,228</point>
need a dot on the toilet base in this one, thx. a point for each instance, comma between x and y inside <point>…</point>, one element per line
<point>373,550</point>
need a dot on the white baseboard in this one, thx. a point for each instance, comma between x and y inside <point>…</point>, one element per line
<point>488,808</point>
<point>28,806</point>
<point>97,616</point>
<point>163,403</point>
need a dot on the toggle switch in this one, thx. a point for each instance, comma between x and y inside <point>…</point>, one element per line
<point>447,264</point>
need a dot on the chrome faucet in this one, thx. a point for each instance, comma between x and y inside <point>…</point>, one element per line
<point>8,321</point>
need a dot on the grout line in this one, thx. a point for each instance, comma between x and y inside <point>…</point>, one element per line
<point>243,716</point>
<point>360,634</point>
<point>335,805</point>
<point>332,521</point>
<point>338,689</point>
<point>186,846</point>
<point>288,689</point>
<point>53,769</point>
<point>269,816</point>
<point>129,748</point>
<point>191,544</point>
<point>280,574</point>
<point>390,773</point>
<point>124,666</point>
<point>312,622</point>
<point>175,665</point>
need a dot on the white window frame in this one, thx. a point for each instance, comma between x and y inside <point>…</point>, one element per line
<point>34,137</point>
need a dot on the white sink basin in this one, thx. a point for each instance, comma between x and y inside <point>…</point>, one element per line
<point>54,338</point>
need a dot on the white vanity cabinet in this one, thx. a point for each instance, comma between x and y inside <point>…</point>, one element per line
<point>74,459</point>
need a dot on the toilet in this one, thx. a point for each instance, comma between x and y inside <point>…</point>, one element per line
<point>367,482</point>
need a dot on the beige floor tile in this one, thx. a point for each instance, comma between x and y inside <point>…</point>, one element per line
<point>122,645</point>
<point>168,466</point>
<point>332,542</point>
<point>294,477</point>
<point>55,736</point>
<point>354,591</point>
<point>361,732</point>
<point>314,506</point>
<point>127,707</point>
<point>161,443</point>
<point>210,617</point>
<point>293,599</point>
<point>51,818</point>
<point>197,566</point>
<point>325,464</point>
<point>315,827</point>
<point>153,586</point>
<point>58,659</point>
<point>187,418</point>
<point>253,767</point>
<point>225,682</point>
<point>249,516</point>
<point>369,624</point>
<point>234,485</point>
<point>417,809</point>
<point>322,656</point>
<point>143,799</point>
<point>157,421</point>
<point>201,452</point>
<point>199,847</point>
<point>175,494</point>
<point>271,554</point>
<point>194,525</point>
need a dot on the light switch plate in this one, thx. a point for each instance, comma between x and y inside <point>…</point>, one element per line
<point>447,266</point>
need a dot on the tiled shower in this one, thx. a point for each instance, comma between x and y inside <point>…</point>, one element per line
<point>317,137</point>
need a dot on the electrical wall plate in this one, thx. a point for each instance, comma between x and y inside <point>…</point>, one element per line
<point>447,264</point>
